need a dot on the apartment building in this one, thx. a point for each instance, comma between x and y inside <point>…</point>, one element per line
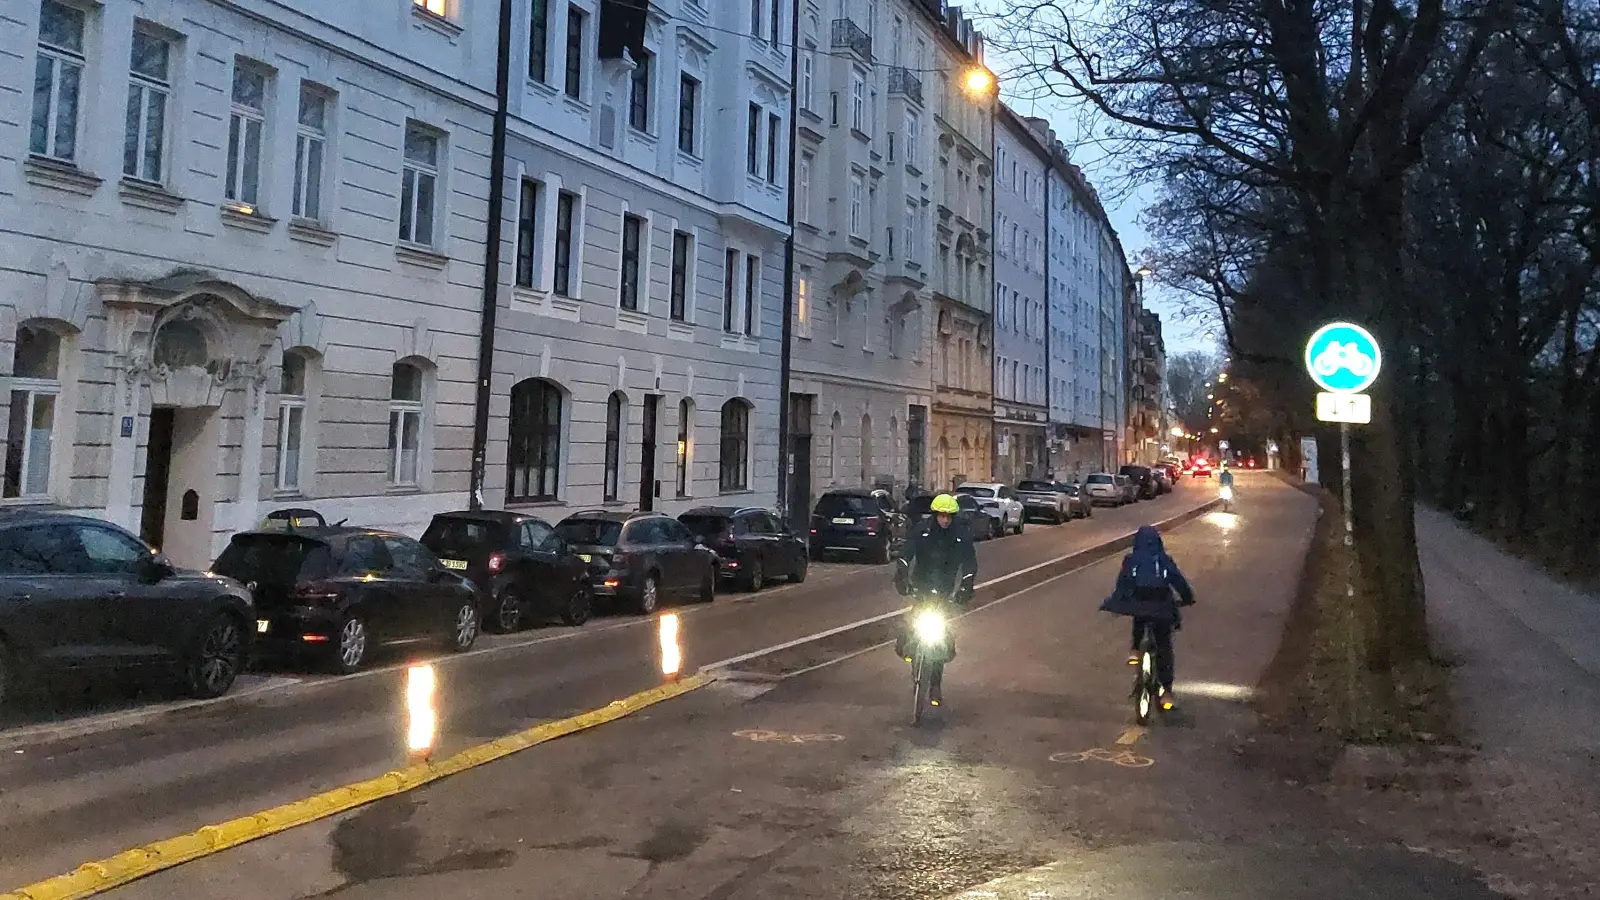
<point>240,259</point>
<point>1022,316</point>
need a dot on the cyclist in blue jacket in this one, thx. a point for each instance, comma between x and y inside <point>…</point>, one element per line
<point>1144,591</point>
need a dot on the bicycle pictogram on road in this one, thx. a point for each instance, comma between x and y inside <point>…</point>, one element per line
<point>763,736</point>
<point>1124,758</point>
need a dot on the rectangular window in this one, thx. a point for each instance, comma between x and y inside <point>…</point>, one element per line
<point>245,121</point>
<point>57,82</point>
<point>145,137</point>
<point>539,40</point>
<point>858,101</point>
<point>752,293</point>
<point>632,234</point>
<point>33,419</point>
<point>910,234</point>
<point>730,281</point>
<point>857,214</point>
<point>752,147</point>
<point>639,92</point>
<point>688,112</point>
<point>682,252</point>
<point>802,202</point>
<point>913,136</point>
<point>774,138</point>
<point>310,151</point>
<point>419,185</point>
<point>566,212</point>
<point>807,77</point>
<point>757,19</point>
<point>437,7</point>
<point>575,27</point>
<point>405,424</point>
<point>802,304</point>
<point>777,21</point>
<point>291,421</point>
<point>527,231</point>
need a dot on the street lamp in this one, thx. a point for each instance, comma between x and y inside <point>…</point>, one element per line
<point>1222,377</point>
<point>1213,430</point>
<point>978,82</point>
<point>1177,431</point>
<point>1145,272</point>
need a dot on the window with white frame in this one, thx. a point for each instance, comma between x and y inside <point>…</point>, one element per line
<point>752,293</point>
<point>758,18</point>
<point>802,181</point>
<point>730,283</point>
<point>682,253</point>
<point>566,251</point>
<point>777,20</point>
<point>405,424</point>
<point>857,202</point>
<point>527,231</point>
<point>752,147</point>
<point>633,235</point>
<point>436,7</point>
<point>808,77</point>
<point>913,137</point>
<point>639,93</point>
<point>912,238</point>
<point>576,20</point>
<point>858,101</point>
<point>57,82</point>
<point>774,141</point>
<point>291,421</point>
<point>616,409</point>
<point>245,121</point>
<point>539,40</point>
<point>35,392</point>
<point>734,465</point>
<point>149,88</point>
<point>419,185</point>
<point>310,153</point>
<point>688,111</point>
<point>685,445</point>
<point>802,303</point>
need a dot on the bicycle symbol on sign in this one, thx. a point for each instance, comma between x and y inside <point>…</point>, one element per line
<point>763,736</point>
<point>1338,356</point>
<point>1123,758</point>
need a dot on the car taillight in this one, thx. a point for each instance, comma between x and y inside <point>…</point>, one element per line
<point>497,561</point>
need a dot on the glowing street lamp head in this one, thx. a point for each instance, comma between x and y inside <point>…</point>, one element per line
<point>978,81</point>
<point>1145,272</point>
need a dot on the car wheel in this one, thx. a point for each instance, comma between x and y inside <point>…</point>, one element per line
<point>649,594</point>
<point>754,578</point>
<point>580,605</point>
<point>464,628</point>
<point>799,573</point>
<point>216,660</point>
<point>1020,525</point>
<point>350,646</point>
<point>507,610</point>
<point>708,587</point>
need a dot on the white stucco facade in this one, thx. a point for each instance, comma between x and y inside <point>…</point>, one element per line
<point>196,193</point>
<point>638,336</point>
<point>1021,356</point>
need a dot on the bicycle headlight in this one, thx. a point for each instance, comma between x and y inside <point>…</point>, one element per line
<point>930,627</point>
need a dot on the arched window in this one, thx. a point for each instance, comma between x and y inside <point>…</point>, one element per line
<point>735,462</point>
<point>180,343</point>
<point>833,447</point>
<point>685,444</point>
<point>35,391</point>
<point>615,405</point>
<point>533,453</point>
<point>292,393</point>
<point>405,423</point>
<point>866,449</point>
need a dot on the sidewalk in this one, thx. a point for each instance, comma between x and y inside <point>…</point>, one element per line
<point>1527,688</point>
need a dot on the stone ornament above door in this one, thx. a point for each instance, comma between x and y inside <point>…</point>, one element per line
<point>190,338</point>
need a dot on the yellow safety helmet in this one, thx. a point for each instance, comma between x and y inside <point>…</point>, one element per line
<point>946,504</point>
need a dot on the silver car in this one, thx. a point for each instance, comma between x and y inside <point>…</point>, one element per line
<point>1103,490</point>
<point>1130,488</point>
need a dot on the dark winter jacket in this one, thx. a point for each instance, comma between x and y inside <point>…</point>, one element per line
<point>938,556</point>
<point>1158,604</point>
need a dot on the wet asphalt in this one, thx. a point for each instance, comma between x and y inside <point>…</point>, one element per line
<point>1028,783</point>
<point>67,800</point>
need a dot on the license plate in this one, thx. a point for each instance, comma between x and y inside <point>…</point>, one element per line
<point>585,557</point>
<point>844,521</point>
<point>262,626</point>
<point>454,563</point>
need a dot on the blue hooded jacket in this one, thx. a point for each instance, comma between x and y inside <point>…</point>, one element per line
<point>1130,600</point>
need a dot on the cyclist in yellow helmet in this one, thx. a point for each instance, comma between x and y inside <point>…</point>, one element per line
<point>938,555</point>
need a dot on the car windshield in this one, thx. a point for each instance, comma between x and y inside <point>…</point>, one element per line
<point>846,504</point>
<point>274,559</point>
<point>591,532</point>
<point>1101,479</point>
<point>704,525</point>
<point>976,491</point>
<point>1035,486</point>
<point>447,534</point>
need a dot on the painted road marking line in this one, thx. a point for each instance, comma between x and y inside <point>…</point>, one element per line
<point>1124,758</point>
<point>102,875</point>
<point>1131,736</point>
<point>763,736</point>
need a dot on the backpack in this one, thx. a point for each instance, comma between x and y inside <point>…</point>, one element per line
<point>1149,573</point>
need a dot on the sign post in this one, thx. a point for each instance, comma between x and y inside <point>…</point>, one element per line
<point>1343,359</point>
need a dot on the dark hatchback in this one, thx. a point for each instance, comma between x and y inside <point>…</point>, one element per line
<point>1143,479</point>
<point>640,558</point>
<point>337,592</point>
<point>525,571</point>
<point>862,523</point>
<point>752,545</point>
<point>971,517</point>
<point>81,596</point>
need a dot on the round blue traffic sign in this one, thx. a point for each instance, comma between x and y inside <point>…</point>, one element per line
<point>1343,358</point>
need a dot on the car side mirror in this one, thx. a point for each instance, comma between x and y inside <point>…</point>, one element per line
<point>155,567</point>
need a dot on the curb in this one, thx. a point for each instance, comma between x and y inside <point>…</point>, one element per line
<point>102,875</point>
<point>984,594</point>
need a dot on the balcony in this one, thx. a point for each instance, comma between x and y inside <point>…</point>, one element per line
<point>847,35</point>
<point>904,81</point>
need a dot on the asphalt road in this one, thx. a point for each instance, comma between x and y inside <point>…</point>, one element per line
<point>818,788</point>
<point>66,800</point>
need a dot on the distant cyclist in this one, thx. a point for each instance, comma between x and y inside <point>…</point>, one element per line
<point>1225,480</point>
<point>1144,591</point>
<point>938,555</point>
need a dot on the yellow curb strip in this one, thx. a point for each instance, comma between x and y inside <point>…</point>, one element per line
<point>102,875</point>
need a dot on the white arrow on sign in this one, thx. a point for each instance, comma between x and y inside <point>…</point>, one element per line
<point>1354,409</point>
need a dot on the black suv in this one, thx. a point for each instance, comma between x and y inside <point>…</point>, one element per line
<point>1143,479</point>
<point>526,571</point>
<point>640,557</point>
<point>751,544</point>
<point>860,522</point>
<point>82,596</point>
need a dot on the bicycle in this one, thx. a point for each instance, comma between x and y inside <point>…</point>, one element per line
<point>1146,686</point>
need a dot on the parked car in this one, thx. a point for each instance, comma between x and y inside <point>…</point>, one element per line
<point>337,592</point>
<point>1130,488</point>
<point>1076,500</point>
<point>1104,489</point>
<point>526,573</point>
<point>1042,500</point>
<point>641,558</point>
<point>1000,502</point>
<point>1163,479</point>
<point>1144,480</point>
<point>81,596</point>
<point>859,522</point>
<point>751,544</point>
<point>971,518</point>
